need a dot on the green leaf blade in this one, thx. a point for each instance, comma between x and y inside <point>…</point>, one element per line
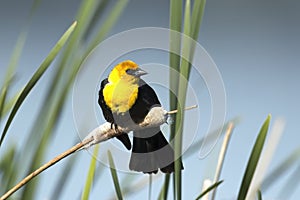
<point>114,176</point>
<point>174,59</point>
<point>108,24</point>
<point>209,189</point>
<point>197,15</point>
<point>253,160</point>
<point>259,195</point>
<point>91,173</point>
<point>3,96</point>
<point>174,62</point>
<point>37,75</point>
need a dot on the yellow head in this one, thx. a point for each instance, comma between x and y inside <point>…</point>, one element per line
<point>127,70</point>
<point>122,90</point>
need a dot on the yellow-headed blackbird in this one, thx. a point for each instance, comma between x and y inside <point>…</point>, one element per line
<point>125,98</point>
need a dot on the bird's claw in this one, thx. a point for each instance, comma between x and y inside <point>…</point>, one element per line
<point>115,127</point>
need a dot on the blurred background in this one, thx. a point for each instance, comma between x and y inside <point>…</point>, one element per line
<point>255,45</point>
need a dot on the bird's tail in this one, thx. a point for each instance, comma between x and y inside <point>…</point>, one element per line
<point>151,151</point>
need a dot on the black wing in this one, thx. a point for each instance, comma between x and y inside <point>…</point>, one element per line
<point>107,113</point>
<point>151,151</point>
<point>146,99</point>
<point>105,109</point>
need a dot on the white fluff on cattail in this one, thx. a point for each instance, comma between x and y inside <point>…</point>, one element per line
<point>155,117</point>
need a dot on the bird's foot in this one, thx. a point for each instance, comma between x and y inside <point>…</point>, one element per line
<point>115,127</point>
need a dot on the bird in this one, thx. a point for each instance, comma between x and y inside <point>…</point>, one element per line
<point>126,98</point>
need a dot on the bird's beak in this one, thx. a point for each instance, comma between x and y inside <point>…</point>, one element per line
<point>136,72</point>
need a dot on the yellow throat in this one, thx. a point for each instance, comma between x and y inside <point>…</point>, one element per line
<point>121,91</point>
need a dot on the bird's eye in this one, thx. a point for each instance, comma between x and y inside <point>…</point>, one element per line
<point>130,72</point>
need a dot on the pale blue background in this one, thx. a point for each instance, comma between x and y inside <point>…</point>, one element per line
<point>255,45</point>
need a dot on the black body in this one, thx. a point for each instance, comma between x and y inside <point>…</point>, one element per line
<point>151,151</point>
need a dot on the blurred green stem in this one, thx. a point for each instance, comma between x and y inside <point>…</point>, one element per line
<point>91,173</point>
